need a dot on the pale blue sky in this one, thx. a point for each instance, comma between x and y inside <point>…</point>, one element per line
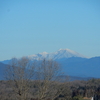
<point>32,26</point>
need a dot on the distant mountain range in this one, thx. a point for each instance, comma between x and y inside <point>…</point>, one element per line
<point>61,53</point>
<point>72,63</point>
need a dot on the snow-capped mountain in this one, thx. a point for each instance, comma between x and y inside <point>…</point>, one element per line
<point>61,53</point>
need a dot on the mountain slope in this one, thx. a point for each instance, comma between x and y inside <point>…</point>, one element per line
<point>2,70</point>
<point>82,67</point>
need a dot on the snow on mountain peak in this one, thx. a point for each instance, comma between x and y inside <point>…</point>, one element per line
<point>38,56</point>
<point>67,50</point>
<point>66,53</point>
<point>61,53</point>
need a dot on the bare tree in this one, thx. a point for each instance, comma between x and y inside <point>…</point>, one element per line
<point>47,79</point>
<point>19,73</point>
<point>49,84</point>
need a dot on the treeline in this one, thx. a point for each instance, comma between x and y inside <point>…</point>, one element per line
<point>43,80</point>
<point>74,90</point>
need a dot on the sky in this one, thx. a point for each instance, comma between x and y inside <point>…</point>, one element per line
<point>29,27</point>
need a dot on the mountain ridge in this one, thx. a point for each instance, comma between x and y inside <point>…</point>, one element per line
<point>61,53</point>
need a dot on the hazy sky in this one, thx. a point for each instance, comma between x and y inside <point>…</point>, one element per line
<point>32,26</point>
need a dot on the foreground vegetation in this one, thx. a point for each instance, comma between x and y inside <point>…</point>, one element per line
<point>75,90</point>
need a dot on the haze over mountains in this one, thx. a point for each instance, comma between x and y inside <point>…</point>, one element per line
<point>72,63</point>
